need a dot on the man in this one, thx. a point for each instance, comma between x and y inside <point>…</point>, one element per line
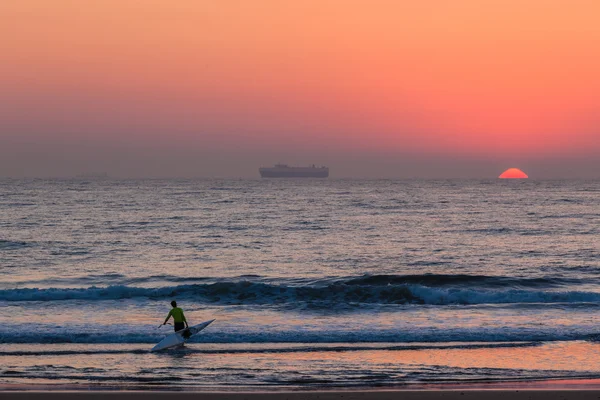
<point>178,317</point>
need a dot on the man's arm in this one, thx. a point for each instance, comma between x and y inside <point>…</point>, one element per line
<point>184,320</point>
<point>168,316</point>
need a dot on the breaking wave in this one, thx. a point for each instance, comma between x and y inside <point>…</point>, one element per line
<point>228,334</point>
<point>429,289</point>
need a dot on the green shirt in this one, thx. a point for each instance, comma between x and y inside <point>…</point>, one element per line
<point>177,314</point>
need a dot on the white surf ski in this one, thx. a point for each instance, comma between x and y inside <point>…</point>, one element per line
<point>177,338</point>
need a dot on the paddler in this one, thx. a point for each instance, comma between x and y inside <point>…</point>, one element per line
<point>178,318</point>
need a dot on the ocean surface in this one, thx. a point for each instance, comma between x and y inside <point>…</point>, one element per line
<point>313,283</point>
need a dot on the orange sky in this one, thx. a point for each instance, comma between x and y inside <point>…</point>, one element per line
<point>483,78</point>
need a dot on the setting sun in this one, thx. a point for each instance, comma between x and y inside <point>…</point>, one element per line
<point>513,173</point>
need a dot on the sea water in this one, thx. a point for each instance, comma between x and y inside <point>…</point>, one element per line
<point>313,283</point>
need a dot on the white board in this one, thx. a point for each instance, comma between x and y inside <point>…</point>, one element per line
<point>177,339</point>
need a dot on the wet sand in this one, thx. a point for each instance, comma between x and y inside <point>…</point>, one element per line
<point>328,395</point>
<point>560,389</point>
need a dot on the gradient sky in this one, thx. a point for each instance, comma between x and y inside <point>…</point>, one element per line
<point>378,88</point>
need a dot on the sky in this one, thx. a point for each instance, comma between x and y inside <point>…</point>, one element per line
<point>371,88</point>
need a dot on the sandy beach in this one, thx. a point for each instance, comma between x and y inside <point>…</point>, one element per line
<point>513,394</point>
<point>547,390</point>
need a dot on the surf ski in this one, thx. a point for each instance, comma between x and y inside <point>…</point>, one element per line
<point>180,337</point>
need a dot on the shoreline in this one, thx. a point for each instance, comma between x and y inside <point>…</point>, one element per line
<point>554,366</point>
<point>544,385</point>
<point>490,394</point>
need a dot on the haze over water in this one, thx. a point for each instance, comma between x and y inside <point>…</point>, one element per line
<point>314,283</point>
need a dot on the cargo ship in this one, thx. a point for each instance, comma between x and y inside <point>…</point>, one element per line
<point>285,171</point>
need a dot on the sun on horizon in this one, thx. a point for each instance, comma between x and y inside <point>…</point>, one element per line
<point>513,173</point>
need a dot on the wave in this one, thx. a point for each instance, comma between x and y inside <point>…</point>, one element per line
<point>460,279</point>
<point>271,349</point>
<point>428,289</point>
<point>369,280</point>
<point>230,334</point>
<point>108,278</point>
<point>12,245</point>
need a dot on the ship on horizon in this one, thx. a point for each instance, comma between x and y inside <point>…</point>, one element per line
<point>286,171</point>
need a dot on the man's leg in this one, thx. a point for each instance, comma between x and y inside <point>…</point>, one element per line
<point>178,326</point>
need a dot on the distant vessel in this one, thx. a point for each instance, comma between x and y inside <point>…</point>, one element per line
<point>285,171</point>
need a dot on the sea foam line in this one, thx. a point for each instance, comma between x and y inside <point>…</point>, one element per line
<point>129,335</point>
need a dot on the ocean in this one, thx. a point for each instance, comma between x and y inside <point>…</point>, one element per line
<point>313,283</point>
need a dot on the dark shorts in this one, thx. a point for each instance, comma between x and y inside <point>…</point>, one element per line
<point>179,326</point>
